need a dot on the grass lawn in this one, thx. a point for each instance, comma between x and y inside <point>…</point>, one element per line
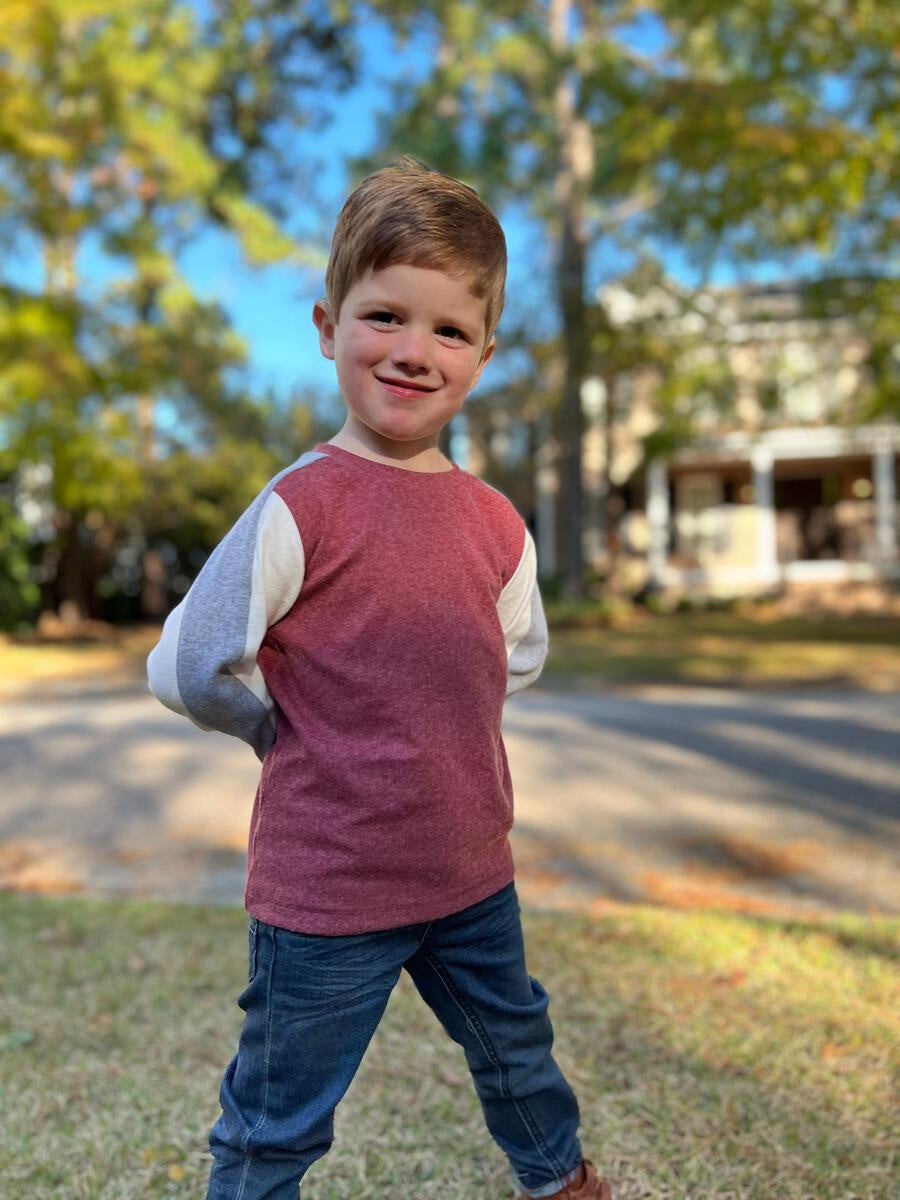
<point>714,1056</point>
<point>721,647</point>
<point>637,647</point>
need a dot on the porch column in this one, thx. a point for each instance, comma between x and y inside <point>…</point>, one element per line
<point>658,520</point>
<point>885,504</point>
<point>764,495</point>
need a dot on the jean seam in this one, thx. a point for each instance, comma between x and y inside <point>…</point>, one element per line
<point>424,936</point>
<point>266,1059</point>
<point>487,1045</point>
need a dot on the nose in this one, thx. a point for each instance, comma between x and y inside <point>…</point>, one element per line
<point>410,350</point>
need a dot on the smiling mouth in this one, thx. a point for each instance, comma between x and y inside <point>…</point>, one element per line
<point>405,386</point>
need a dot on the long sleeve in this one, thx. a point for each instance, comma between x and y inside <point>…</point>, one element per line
<point>204,666</point>
<point>523,622</point>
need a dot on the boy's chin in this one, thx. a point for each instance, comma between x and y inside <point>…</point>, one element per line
<point>405,438</point>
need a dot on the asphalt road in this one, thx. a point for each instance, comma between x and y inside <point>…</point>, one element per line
<point>769,802</point>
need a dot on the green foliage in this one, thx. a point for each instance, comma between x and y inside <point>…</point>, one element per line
<point>129,129</point>
<point>194,499</point>
<point>740,134</point>
<point>19,594</point>
<point>751,131</point>
<point>193,496</point>
<point>872,305</point>
<point>781,127</point>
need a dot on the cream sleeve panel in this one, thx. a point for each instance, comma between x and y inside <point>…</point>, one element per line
<point>523,622</point>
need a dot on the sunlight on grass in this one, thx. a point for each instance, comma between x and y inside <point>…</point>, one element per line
<point>722,648</point>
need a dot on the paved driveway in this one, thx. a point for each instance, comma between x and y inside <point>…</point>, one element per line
<point>783,801</point>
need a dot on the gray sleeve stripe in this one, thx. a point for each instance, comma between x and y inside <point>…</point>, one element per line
<point>278,566</point>
<point>162,676</point>
<point>251,579</point>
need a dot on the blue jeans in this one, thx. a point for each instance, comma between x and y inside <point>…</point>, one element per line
<point>312,1005</point>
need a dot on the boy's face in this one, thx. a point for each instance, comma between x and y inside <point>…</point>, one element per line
<point>408,346</point>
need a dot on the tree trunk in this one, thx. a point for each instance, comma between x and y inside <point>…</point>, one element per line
<point>154,601</point>
<point>572,304</point>
<point>611,505</point>
<point>572,179</point>
<point>74,590</point>
<point>154,596</point>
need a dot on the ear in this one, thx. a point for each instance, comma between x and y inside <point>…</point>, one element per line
<point>325,323</point>
<point>486,355</point>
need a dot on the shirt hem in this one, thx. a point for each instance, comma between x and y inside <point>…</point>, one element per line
<point>340,922</point>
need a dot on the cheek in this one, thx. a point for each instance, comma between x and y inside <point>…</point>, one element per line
<point>349,375</point>
<point>467,377</point>
<point>367,346</point>
<point>355,352</point>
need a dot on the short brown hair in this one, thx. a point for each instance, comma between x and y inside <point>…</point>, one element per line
<point>407,213</point>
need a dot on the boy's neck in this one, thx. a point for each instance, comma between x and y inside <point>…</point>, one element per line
<point>409,456</point>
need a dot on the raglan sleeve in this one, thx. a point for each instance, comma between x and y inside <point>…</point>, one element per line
<point>204,666</point>
<point>524,624</point>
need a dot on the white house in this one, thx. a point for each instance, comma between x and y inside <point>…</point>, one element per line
<point>744,512</point>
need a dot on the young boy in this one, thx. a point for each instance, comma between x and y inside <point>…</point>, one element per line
<point>360,627</point>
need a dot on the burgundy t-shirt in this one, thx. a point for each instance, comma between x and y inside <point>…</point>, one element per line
<point>386,798</point>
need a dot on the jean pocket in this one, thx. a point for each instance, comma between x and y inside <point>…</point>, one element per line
<point>251,949</point>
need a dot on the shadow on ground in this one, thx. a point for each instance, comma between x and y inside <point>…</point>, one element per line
<point>768,803</point>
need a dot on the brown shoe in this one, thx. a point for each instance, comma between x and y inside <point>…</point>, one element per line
<point>589,1187</point>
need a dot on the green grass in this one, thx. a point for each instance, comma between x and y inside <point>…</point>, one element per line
<point>720,648</point>
<point>714,1056</point>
